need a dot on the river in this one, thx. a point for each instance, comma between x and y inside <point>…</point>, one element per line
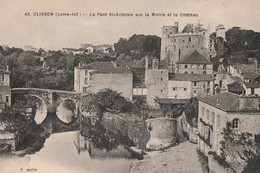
<point>60,154</point>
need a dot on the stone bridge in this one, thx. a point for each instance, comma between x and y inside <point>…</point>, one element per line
<point>50,99</point>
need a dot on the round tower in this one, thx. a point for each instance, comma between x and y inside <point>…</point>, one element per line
<point>220,31</point>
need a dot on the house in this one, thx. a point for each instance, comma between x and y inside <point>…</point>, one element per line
<point>216,111</point>
<point>5,91</point>
<point>187,86</point>
<point>194,63</point>
<point>179,86</point>
<point>100,75</point>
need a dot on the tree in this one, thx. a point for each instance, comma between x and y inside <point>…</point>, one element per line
<point>240,147</point>
<point>14,120</point>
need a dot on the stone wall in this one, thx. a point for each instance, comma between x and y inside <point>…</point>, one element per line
<point>190,131</point>
<point>122,83</point>
<point>163,133</point>
<point>128,124</point>
<point>156,81</point>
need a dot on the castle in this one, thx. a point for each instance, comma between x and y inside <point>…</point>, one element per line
<point>175,45</point>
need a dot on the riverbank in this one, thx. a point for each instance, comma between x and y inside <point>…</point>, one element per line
<point>181,158</point>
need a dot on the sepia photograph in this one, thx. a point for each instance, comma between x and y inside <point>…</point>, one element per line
<point>140,86</point>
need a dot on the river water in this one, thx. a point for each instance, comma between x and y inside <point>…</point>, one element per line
<point>68,152</point>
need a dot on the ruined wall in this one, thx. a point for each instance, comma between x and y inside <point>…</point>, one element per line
<point>177,46</point>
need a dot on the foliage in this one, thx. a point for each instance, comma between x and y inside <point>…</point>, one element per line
<point>104,138</point>
<point>191,112</point>
<point>145,44</point>
<point>238,146</point>
<point>106,100</point>
<point>14,120</point>
<point>203,161</point>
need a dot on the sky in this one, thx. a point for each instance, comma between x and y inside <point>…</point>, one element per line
<point>53,33</point>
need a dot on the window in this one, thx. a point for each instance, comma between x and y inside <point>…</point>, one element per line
<point>161,71</point>
<point>6,99</point>
<point>161,91</point>
<point>198,66</point>
<point>84,89</point>
<point>208,91</point>
<point>208,83</point>
<point>204,72</point>
<point>194,91</point>
<point>161,79</point>
<point>204,67</point>
<point>187,46</point>
<point>195,83</point>
<point>235,123</point>
<point>193,46</point>
<point>183,41</point>
<point>174,40</point>
<point>174,88</point>
<point>86,72</point>
<point>3,77</point>
<point>207,114</point>
<point>185,72</point>
<point>213,117</point>
<point>203,111</point>
<point>184,89</point>
<point>174,47</point>
<point>86,80</point>
<point>189,39</point>
<point>218,120</point>
<point>186,66</point>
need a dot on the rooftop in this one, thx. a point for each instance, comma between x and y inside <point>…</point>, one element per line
<point>250,75</point>
<point>227,102</point>
<point>190,77</point>
<point>252,85</point>
<point>194,58</point>
<point>97,65</point>
<point>113,70</point>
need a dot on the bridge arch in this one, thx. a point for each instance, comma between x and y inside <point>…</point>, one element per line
<point>67,110</point>
<point>42,110</point>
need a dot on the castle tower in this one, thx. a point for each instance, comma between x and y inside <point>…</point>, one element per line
<point>221,32</point>
<point>167,31</point>
<point>220,39</point>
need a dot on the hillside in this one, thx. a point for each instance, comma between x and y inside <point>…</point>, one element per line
<point>139,45</point>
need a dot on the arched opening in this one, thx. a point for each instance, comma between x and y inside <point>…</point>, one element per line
<point>235,123</point>
<point>186,66</point>
<point>204,72</point>
<point>38,108</point>
<point>67,111</point>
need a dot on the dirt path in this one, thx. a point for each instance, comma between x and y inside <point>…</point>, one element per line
<point>179,159</point>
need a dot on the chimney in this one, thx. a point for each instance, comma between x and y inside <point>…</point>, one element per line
<point>7,68</point>
<point>146,63</point>
<point>248,102</point>
<point>177,25</point>
<point>79,65</point>
<point>155,63</point>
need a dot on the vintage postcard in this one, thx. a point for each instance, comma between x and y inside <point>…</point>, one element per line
<point>140,86</point>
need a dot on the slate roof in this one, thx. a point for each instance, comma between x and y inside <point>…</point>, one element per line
<point>252,85</point>
<point>235,87</point>
<point>173,101</point>
<point>194,58</point>
<point>236,78</point>
<point>190,77</point>
<point>97,65</point>
<point>107,70</point>
<point>250,75</point>
<point>228,102</point>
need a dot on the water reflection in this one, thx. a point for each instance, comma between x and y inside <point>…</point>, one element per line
<point>66,111</point>
<point>59,154</point>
